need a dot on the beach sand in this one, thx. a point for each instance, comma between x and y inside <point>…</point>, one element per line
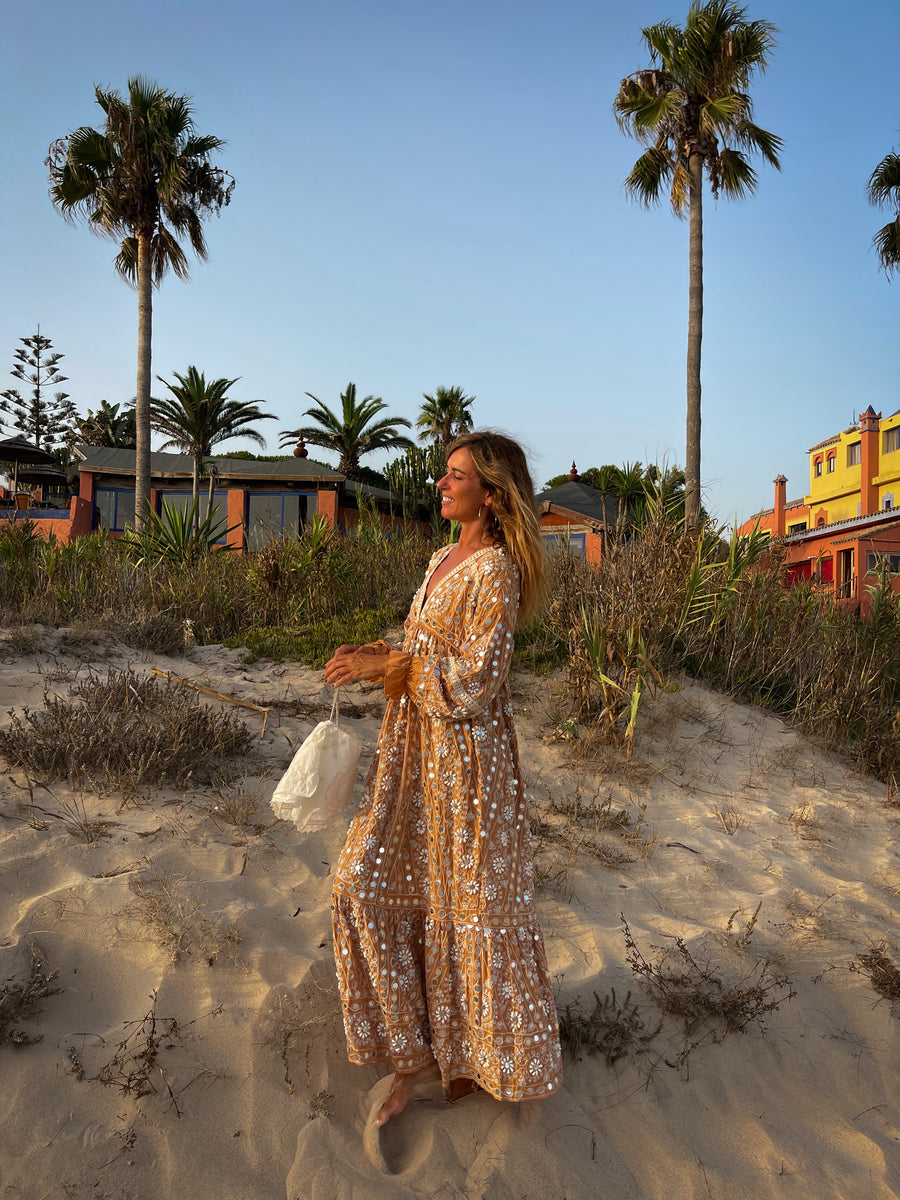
<point>195,1046</point>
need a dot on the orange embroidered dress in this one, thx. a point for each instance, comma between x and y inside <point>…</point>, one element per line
<point>436,940</point>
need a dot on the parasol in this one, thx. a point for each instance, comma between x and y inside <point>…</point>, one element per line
<point>16,450</point>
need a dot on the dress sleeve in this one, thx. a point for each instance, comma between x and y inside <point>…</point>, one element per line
<point>465,682</point>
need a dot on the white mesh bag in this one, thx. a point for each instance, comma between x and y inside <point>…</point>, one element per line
<point>318,785</point>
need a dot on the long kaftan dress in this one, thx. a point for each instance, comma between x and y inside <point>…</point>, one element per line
<point>436,940</point>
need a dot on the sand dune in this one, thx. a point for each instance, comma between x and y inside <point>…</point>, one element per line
<point>195,1045</point>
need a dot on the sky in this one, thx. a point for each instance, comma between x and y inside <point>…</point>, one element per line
<point>431,195</point>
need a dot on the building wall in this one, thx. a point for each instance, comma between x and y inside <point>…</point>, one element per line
<point>836,493</point>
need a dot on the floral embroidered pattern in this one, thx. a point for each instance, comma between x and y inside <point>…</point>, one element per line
<point>436,939</point>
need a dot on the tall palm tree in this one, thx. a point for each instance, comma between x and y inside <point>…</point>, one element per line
<point>353,433</point>
<point>883,191</point>
<point>145,181</point>
<point>445,415</point>
<point>691,109</point>
<point>198,415</point>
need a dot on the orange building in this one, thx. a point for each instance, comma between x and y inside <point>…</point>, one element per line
<point>845,532</point>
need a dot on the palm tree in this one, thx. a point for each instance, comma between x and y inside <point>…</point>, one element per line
<point>353,433</point>
<point>883,190</point>
<point>105,427</point>
<point>690,108</point>
<point>199,415</point>
<point>445,415</point>
<point>146,182</point>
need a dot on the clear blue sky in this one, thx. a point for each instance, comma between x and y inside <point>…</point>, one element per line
<point>430,195</point>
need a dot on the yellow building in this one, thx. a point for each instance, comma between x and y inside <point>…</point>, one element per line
<point>855,472</point>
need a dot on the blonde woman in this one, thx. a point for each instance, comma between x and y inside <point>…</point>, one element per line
<point>439,955</point>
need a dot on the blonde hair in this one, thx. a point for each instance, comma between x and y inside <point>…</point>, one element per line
<point>502,468</point>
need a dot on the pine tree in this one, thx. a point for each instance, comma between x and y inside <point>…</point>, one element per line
<point>40,418</point>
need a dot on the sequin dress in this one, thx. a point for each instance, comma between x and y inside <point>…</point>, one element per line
<point>436,940</point>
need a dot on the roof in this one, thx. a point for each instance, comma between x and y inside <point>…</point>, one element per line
<point>827,442</point>
<point>887,518</point>
<point>895,524</point>
<point>580,499</point>
<point>108,460</point>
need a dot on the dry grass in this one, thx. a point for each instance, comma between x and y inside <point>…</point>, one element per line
<point>707,1006</point>
<point>881,971</point>
<point>134,1068</point>
<point>20,999</point>
<point>121,733</point>
<point>613,1029</point>
<point>236,799</point>
<point>180,923</point>
<point>291,1020</point>
<point>730,818</point>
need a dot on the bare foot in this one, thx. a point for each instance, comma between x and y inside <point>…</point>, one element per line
<point>461,1087</point>
<point>402,1086</point>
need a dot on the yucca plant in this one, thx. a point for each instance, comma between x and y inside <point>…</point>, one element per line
<point>175,535</point>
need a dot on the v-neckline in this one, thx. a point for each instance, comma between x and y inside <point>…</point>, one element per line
<point>427,595</point>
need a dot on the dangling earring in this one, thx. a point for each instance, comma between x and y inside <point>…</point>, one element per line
<point>480,506</point>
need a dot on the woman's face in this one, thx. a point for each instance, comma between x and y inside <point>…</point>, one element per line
<point>462,493</point>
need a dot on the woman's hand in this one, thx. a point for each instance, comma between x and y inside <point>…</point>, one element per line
<point>351,663</point>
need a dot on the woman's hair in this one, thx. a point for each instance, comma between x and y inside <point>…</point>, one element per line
<point>501,467</point>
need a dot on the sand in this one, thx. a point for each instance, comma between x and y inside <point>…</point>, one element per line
<point>221,935</point>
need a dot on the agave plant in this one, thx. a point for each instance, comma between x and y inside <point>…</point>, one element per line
<point>176,535</point>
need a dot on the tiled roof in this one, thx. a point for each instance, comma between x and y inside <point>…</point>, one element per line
<point>879,519</point>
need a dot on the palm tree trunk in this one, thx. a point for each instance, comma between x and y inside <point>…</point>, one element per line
<point>142,395</point>
<point>695,338</point>
<point>195,493</point>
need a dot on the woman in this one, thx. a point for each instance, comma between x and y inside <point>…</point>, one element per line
<point>440,958</point>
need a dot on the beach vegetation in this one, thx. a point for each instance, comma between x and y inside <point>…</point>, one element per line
<point>146,181</point>
<point>175,535</point>
<point>692,111</point>
<point>21,999</point>
<point>121,733</point>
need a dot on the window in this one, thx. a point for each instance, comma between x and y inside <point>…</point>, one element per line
<point>277,514</point>
<point>890,440</point>
<point>876,563</point>
<point>798,528</point>
<point>854,455</point>
<point>565,543</point>
<point>818,467</point>
<point>820,523</point>
<point>114,508</point>
<point>887,501</point>
<point>831,462</point>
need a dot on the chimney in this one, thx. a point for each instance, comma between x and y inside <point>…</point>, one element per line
<point>780,482</point>
<point>868,431</point>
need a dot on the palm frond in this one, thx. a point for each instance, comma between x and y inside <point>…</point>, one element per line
<point>883,188</point>
<point>646,178</point>
<point>887,247</point>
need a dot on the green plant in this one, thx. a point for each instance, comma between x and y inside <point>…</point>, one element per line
<point>176,535</point>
